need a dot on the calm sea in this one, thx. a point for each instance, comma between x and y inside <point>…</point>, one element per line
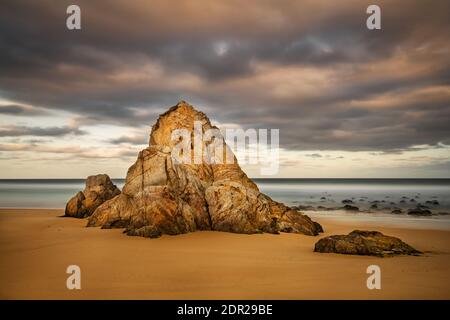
<point>323,193</point>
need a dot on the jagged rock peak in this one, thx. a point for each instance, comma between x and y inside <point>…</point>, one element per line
<point>164,197</point>
<point>181,116</point>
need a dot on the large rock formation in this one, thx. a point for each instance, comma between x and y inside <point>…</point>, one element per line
<point>371,243</point>
<point>98,189</point>
<point>161,196</point>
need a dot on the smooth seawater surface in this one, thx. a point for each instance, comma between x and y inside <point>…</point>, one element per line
<point>331,192</point>
<point>41,193</point>
<point>321,194</point>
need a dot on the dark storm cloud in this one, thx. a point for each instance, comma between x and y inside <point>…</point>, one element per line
<point>135,140</point>
<point>133,59</point>
<point>18,110</point>
<point>17,131</point>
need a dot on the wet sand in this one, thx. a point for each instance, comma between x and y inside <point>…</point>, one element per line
<point>36,246</point>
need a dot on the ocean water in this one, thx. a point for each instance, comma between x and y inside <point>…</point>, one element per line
<point>387,193</point>
<point>324,196</point>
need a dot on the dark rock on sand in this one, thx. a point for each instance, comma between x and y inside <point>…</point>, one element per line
<point>98,189</point>
<point>374,206</point>
<point>372,243</point>
<point>397,211</point>
<point>318,227</point>
<point>74,207</point>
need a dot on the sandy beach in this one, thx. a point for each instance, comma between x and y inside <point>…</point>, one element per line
<point>36,246</point>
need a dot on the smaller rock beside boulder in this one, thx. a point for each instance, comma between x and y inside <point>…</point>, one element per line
<point>98,189</point>
<point>370,243</point>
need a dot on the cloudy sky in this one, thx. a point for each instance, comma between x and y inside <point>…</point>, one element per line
<point>349,102</point>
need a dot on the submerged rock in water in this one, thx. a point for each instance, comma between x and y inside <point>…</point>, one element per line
<point>350,208</point>
<point>302,207</point>
<point>357,242</point>
<point>347,201</point>
<point>419,211</point>
<point>397,211</point>
<point>98,189</point>
<point>161,196</point>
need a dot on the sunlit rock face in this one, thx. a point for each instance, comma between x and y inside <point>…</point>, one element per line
<point>162,196</point>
